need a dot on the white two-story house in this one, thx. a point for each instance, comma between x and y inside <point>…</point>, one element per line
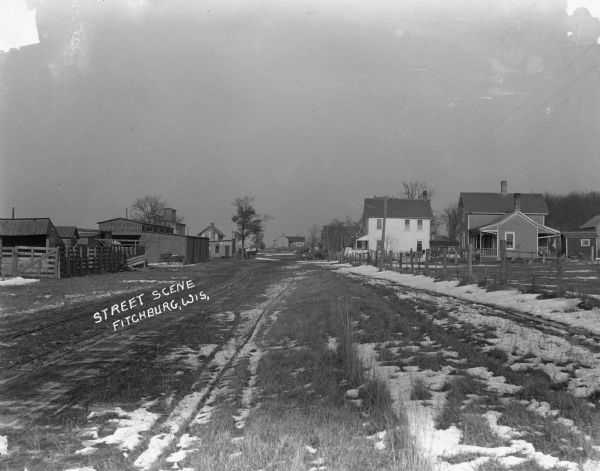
<point>408,224</point>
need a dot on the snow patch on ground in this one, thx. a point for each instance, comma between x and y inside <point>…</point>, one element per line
<point>558,309</point>
<point>17,281</point>
<point>129,427</point>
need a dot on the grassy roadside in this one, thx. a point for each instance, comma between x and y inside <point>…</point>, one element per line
<point>431,345</point>
<point>313,406</point>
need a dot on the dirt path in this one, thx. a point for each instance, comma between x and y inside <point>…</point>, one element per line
<point>63,372</point>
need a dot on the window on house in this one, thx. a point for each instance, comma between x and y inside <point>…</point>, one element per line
<point>217,248</point>
<point>379,223</point>
<point>419,245</point>
<point>510,240</point>
<point>585,242</point>
<point>419,224</point>
<point>407,224</point>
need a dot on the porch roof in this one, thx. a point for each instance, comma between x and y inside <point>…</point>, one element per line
<point>363,238</point>
<point>492,228</point>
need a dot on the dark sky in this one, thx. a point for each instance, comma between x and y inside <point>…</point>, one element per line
<point>309,106</point>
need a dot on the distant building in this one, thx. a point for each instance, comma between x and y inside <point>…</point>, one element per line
<point>159,241</point>
<point>281,242</point>
<point>29,232</point>
<point>69,235</point>
<point>219,246</point>
<point>580,244</point>
<point>486,219</point>
<point>90,237</point>
<point>407,227</point>
<point>129,232</point>
<point>170,220</point>
<point>296,241</point>
<point>593,225</point>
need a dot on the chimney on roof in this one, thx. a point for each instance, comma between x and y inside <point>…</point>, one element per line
<point>517,201</point>
<point>425,195</point>
<point>503,187</point>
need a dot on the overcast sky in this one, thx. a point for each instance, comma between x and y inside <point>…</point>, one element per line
<point>310,106</point>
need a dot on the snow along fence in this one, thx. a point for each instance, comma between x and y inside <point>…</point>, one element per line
<point>532,274</point>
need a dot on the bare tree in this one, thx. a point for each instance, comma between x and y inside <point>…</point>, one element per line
<point>436,221</point>
<point>150,209</point>
<point>313,235</point>
<point>248,223</point>
<point>450,218</point>
<point>416,190</point>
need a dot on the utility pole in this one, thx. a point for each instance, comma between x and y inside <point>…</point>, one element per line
<point>385,198</point>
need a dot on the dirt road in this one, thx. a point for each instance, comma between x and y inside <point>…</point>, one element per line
<point>62,364</point>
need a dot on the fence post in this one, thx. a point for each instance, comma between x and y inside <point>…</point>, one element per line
<point>444,264</point>
<point>469,262</point>
<point>559,288</point>
<point>412,261</point>
<point>15,262</point>
<point>457,272</point>
<point>427,262</point>
<point>503,276</point>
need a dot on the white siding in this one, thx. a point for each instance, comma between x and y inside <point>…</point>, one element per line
<point>398,239</point>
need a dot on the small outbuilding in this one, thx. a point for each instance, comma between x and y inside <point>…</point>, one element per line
<point>580,244</point>
<point>69,235</point>
<point>29,232</point>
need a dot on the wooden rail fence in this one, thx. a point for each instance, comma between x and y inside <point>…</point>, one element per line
<point>61,262</point>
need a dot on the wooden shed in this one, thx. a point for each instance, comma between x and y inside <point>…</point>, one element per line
<point>580,244</point>
<point>29,232</point>
<point>69,235</point>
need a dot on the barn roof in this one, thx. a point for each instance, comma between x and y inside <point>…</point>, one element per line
<point>532,203</point>
<point>25,226</point>
<point>66,232</point>
<point>592,223</point>
<point>397,208</point>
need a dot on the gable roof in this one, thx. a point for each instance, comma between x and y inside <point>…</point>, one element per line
<point>295,238</point>
<point>397,208</point>
<point>533,203</point>
<point>27,226</point>
<point>592,223</point>
<point>493,227</point>
<point>212,227</point>
<point>66,232</point>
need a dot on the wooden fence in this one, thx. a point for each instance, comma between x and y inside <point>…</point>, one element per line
<point>61,262</point>
<point>537,275</point>
<point>40,262</point>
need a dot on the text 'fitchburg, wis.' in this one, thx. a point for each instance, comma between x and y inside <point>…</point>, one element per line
<point>162,301</point>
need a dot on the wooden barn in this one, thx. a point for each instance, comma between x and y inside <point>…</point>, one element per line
<point>29,232</point>
<point>159,242</point>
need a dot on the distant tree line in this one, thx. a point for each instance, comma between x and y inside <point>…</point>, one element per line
<point>570,211</point>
